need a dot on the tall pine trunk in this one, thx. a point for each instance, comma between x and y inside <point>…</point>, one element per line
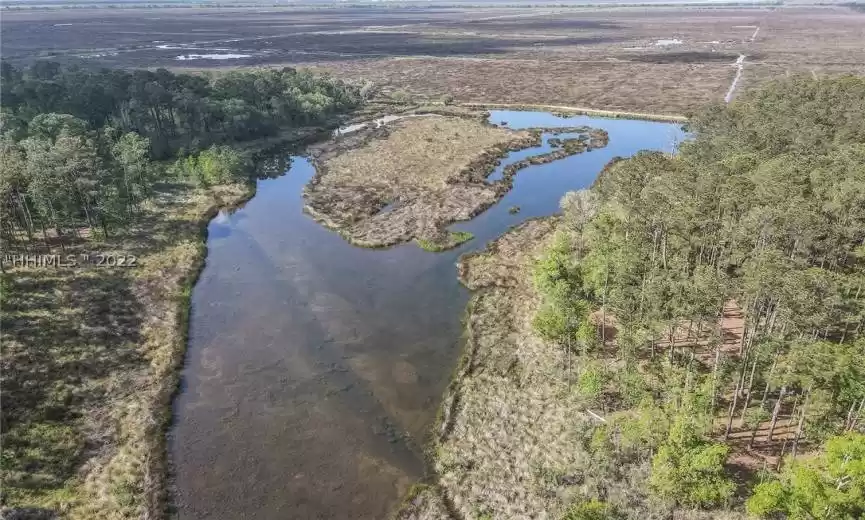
<point>775,412</point>
<point>748,393</point>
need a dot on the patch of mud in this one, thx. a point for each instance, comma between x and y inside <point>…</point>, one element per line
<point>409,180</point>
<point>423,503</point>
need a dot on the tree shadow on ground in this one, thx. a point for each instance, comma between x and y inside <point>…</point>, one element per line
<point>70,337</point>
<point>72,343</point>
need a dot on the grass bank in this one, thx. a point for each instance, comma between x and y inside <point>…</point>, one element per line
<point>454,239</point>
<point>573,110</point>
<point>90,363</point>
<point>471,453</point>
<point>409,179</point>
<point>517,436</point>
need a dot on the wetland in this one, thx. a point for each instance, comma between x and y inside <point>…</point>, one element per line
<point>315,368</point>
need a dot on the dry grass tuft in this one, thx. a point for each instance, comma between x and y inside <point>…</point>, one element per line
<point>513,439</point>
<point>90,360</point>
<point>409,180</point>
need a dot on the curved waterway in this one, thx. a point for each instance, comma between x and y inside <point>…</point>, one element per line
<point>315,368</point>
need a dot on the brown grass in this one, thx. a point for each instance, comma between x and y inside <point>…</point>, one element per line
<point>604,58</point>
<point>418,155</point>
<point>408,180</point>
<point>607,58</point>
<point>90,360</point>
<point>512,439</point>
<point>668,89</point>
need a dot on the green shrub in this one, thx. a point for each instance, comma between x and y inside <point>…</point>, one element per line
<point>592,510</point>
<point>217,165</point>
<point>592,382</point>
<point>454,239</point>
<point>831,486</point>
<point>689,470</point>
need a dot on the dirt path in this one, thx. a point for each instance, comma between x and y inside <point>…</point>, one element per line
<point>740,64</point>
<point>518,15</point>
<point>740,67</point>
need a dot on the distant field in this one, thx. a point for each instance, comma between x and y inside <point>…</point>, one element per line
<point>649,59</point>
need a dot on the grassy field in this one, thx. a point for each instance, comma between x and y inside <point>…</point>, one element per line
<point>650,59</point>
<point>90,360</point>
<point>409,180</point>
<point>661,60</point>
<point>508,430</point>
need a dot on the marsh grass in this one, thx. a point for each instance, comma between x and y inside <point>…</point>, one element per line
<point>90,360</point>
<point>513,437</point>
<point>433,169</point>
<point>452,240</point>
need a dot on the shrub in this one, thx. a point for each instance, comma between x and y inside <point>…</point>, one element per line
<point>216,165</point>
<point>592,510</point>
<point>690,470</point>
<point>831,486</point>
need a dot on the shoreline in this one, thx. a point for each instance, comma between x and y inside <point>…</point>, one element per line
<point>358,219</point>
<point>496,277</point>
<point>378,219</point>
<point>122,468</point>
<point>128,471</point>
<point>184,311</point>
<point>612,114</point>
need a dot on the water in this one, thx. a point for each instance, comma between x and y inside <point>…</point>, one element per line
<point>519,155</point>
<point>314,368</point>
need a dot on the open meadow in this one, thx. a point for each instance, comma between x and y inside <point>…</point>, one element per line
<point>656,59</point>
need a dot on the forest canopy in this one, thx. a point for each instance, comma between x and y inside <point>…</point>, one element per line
<point>175,111</point>
<point>78,145</point>
<point>759,217</point>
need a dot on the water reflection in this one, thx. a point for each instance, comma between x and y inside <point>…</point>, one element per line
<point>315,368</point>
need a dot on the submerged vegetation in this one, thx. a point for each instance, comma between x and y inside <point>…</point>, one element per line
<point>688,341</point>
<point>91,351</point>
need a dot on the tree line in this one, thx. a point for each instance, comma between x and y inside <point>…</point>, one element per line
<point>79,146</point>
<point>762,212</point>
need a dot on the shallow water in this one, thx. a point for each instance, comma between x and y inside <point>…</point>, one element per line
<point>315,368</point>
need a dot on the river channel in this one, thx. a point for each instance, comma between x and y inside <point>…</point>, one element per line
<point>315,368</point>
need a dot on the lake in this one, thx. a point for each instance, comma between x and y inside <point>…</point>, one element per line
<point>314,368</point>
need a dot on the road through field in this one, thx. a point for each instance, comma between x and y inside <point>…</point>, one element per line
<point>740,64</point>
<point>740,67</point>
